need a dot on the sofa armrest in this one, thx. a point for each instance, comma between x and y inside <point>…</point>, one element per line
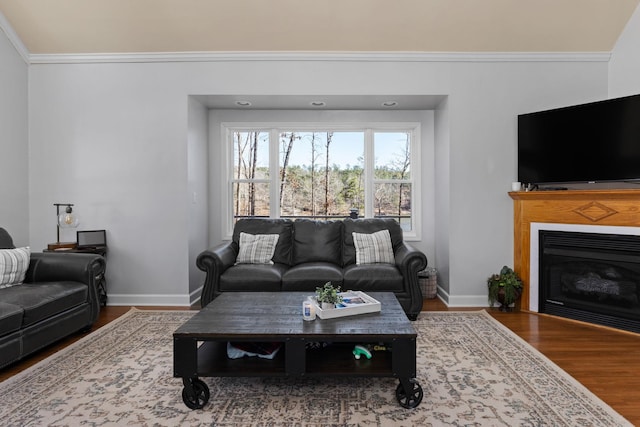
<point>57,267</point>
<point>75,267</point>
<point>410,261</point>
<point>214,262</point>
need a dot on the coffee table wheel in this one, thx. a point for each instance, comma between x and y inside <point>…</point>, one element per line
<point>195,393</point>
<point>411,399</point>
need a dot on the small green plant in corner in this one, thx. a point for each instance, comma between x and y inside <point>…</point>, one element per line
<point>328,294</point>
<point>505,288</point>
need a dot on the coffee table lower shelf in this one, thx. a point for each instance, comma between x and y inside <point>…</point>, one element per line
<point>194,358</point>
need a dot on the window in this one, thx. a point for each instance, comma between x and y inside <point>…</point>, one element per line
<point>304,171</point>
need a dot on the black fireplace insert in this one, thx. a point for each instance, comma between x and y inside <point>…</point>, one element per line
<point>591,277</point>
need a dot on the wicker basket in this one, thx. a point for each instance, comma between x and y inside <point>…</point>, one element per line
<point>428,279</point>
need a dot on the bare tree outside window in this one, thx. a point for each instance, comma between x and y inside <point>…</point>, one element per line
<point>315,185</point>
<point>322,174</point>
<point>392,173</point>
<point>251,174</point>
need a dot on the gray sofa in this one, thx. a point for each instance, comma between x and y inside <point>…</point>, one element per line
<point>57,298</point>
<point>308,254</point>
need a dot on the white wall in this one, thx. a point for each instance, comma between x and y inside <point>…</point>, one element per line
<point>624,66</point>
<point>442,200</point>
<point>14,179</point>
<point>198,193</point>
<point>113,139</point>
<point>484,101</point>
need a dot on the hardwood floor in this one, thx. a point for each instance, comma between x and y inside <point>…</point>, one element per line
<point>604,360</point>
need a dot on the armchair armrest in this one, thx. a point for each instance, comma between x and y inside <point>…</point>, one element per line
<point>410,261</point>
<point>214,262</point>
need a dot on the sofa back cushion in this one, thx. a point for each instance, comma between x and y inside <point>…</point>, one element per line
<point>368,226</point>
<point>6,242</point>
<point>317,241</point>
<point>282,227</point>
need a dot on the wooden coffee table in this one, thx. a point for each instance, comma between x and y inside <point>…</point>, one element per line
<point>200,345</point>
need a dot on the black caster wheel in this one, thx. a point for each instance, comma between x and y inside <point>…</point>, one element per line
<point>413,398</point>
<point>198,396</point>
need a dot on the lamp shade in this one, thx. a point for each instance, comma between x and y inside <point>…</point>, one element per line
<point>68,219</point>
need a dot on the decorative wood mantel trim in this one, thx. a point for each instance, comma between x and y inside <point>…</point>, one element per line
<point>588,207</point>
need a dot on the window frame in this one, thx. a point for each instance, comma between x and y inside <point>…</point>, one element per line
<point>368,128</point>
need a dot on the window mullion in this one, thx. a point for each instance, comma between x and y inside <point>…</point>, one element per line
<point>369,165</point>
<point>392,181</point>
<point>274,168</point>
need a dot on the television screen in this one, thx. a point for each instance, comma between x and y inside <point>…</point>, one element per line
<point>592,142</point>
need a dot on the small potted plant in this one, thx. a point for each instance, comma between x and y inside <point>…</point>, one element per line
<point>328,296</point>
<point>505,288</point>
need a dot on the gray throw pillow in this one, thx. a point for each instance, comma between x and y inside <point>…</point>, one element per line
<point>13,266</point>
<point>373,248</point>
<point>256,248</point>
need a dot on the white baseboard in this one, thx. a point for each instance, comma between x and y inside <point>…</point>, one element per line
<point>171,300</point>
<point>463,300</point>
<point>177,300</point>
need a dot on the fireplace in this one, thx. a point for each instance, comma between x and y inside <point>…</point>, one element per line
<point>590,277</point>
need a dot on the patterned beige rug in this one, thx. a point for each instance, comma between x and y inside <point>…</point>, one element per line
<point>474,372</point>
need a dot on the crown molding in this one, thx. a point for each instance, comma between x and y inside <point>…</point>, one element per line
<point>320,56</point>
<point>6,27</point>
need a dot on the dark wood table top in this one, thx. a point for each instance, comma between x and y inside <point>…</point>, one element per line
<point>278,315</point>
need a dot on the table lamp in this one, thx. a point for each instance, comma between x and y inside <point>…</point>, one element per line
<point>66,219</point>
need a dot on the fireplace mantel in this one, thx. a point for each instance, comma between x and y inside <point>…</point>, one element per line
<point>587,207</point>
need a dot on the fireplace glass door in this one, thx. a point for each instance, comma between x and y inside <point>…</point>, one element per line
<point>591,277</point>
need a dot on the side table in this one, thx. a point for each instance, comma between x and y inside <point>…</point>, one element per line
<point>101,281</point>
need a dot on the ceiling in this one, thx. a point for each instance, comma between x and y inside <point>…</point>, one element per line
<point>137,26</point>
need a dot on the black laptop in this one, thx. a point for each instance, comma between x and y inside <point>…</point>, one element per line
<point>92,239</point>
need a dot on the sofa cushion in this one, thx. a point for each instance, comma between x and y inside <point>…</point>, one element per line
<point>367,226</point>
<point>42,300</point>
<point>309,276</point>
<point>317,241</point>
<point>14,264</point>
<point>252,277</point>
<point>373,248</point>
<point>256,248</point>
<point>10,348</point>
<point>372,277</point>
<point>10,317</point>
<point>282,227</point>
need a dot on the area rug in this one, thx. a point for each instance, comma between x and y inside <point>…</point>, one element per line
<point>473,370</point>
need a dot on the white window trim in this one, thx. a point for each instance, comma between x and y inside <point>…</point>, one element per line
<point>369,128</point>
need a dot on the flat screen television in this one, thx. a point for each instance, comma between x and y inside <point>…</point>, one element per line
<point>595,142</point>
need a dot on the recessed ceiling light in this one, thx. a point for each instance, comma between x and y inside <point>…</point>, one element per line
<point>390,104</point>
<point>243,103</point>
<point>318,103</point>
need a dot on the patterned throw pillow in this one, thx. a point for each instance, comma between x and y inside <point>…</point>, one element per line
<point>13,266</point>
<point>373,248</point>
<point>256,248</point>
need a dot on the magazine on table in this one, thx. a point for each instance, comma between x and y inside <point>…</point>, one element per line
<point>354,299</point>
<point>353,302</point>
